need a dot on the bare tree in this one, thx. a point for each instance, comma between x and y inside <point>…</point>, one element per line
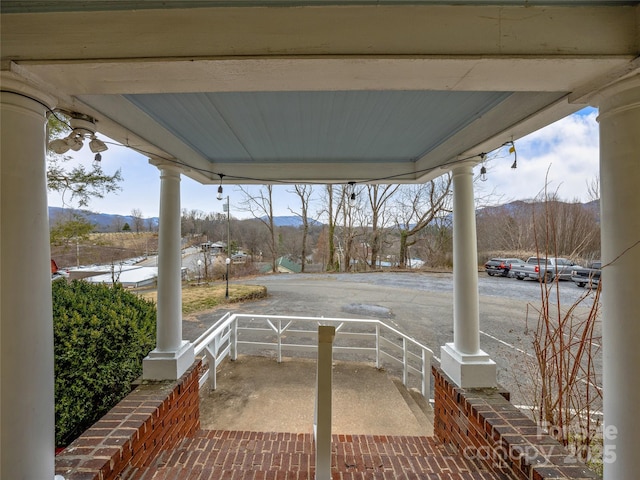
<point>378,195</point>
<point>304,194</point>
<point>332,209</point>
<point>191,222</point>
<point>117,223</point>
<point>435,242</point>
<point>418,206</point>
<point>578,231</point>
<point>261,208</point>
<point>506,228</point>
<point>593,189</point>
<point>138,221</point>
<point>353,226</point>
<point>151,224</point>
<point>322,248</point>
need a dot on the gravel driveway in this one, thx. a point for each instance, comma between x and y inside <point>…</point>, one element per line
<point>420,305</point>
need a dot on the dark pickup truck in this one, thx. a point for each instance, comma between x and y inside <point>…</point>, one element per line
<point>587,276</point>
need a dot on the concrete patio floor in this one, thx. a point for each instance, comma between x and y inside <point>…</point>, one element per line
<point>259,394</point>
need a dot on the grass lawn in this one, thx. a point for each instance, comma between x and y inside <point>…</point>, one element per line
<point>196,298</point>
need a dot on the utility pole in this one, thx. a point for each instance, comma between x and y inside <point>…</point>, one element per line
<point>226,293</point>
<point>225,207</point>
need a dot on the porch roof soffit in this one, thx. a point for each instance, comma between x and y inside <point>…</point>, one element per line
<point>323,93</point>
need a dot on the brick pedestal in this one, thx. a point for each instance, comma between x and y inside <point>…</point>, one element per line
<point>152,418</point>
<point>487,428</point>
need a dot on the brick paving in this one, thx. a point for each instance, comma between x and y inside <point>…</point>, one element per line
<point>244,455</point>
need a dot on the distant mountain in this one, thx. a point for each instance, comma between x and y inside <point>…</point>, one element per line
<point>103,221</point>
<point>292,221</point>
<point>512,207</point>
<point>109,222</point>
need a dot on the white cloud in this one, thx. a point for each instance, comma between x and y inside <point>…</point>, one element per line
<point>566,153</point>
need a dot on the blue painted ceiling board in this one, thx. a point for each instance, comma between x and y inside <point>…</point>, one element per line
<point>316,126</point>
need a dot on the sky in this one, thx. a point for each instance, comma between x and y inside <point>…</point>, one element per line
<point>564,154</point>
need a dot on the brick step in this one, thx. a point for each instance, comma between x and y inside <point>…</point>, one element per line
<point>246,455</point>
<point>178,474</point>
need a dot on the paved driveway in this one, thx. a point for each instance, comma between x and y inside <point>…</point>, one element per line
<point>419,304</point>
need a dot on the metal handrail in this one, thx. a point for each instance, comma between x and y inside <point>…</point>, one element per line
<point>379,342</point>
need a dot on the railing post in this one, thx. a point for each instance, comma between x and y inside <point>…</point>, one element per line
<point>234,339</point>
<point>326,334</point>
<point>426,363</point>
<point>377,345</point>
<point>405,371</point>
<point>211,361</point>
<point>279,341</point>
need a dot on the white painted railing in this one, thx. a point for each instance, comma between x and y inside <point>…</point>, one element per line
<point>362,340</point>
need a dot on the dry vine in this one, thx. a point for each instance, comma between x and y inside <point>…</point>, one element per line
<point>568,389</point>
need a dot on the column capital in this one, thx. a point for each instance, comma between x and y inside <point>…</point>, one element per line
<point>12,83</point>
<point>170,172</point>
<point>464,168</point>
<point>168,166</point>
<point>622,95</point>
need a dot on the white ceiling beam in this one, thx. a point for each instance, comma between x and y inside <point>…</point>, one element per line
<point>555,74</point>
<point>322,30</point>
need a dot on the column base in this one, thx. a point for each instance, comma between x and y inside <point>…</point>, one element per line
<point>168,365</point>
<point>468,371</point>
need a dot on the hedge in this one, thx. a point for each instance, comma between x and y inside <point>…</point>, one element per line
<point>101,335</point>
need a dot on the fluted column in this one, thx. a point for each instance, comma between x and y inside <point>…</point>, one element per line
<point>620,221</point>
<point>26,319</point>
<point>172,355</point>
<point>462,360</point>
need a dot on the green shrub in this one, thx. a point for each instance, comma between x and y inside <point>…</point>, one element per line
<point>101,335</point>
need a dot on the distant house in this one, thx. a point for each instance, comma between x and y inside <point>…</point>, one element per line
<point>283,265</point>
<point>214,248</point>
<point>239,257</point>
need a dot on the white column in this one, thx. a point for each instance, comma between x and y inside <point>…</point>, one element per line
<point>462,360</point>
<point>324,392</point>
<point>26,320</point>
<point>172,355</point>
<point>620,222</point>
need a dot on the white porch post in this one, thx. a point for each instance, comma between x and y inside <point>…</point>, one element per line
<point>172,355</point>
<point>26,321</point>
<point>324,394</point>
<point>620,226</point>
<point>462,360</point>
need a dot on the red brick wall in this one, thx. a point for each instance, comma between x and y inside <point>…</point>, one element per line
<point>486,427</point>
<point>153,417</point>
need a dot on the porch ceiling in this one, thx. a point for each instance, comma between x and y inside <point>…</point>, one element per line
<point>319,91</point>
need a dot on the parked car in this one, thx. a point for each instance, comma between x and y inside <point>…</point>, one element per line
<point>544,269</point>
<point>587,275</point>
<point>501,266</point>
